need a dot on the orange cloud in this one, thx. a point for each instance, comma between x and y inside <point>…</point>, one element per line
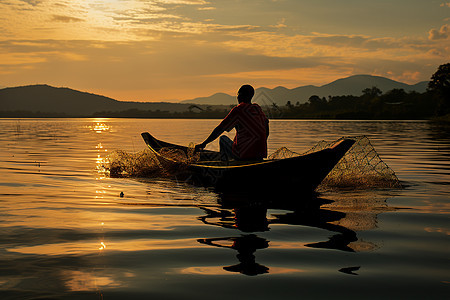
<point>66,19</point>
<point>291,78</point>
<point>441,34</point>
<point>179,49</point>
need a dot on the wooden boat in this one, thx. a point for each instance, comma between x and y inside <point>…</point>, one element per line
<point>300,173</point>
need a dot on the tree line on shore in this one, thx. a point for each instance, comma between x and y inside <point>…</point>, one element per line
<point>372,104</point>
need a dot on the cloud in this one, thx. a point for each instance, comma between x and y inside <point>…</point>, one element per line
<point>361,42</point>
<point>66,19</point>
<point>186,2</point>
<point>280,24</point>
<point>189,66</point>
<point>229,28</point>
<point>204,32</point>
<point>317,72</point>
<point>339,40</point>
<point>156,49</point>
<point>325,45</point>
<point>15,59</point>
<point>165,69</point>
<point>99,20</point>
<point>32,2</point>
<point>441,34</point>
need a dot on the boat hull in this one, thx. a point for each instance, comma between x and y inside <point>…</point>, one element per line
<point>301,173</point>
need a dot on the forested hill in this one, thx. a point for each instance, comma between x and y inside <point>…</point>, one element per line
<point>48,99</point>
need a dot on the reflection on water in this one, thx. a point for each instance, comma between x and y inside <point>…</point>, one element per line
<point>66,233</point>
<point>350,270</point>
<point>79,281</point>
<point>250,215</point>
<point>99,127</point>
<point>245,245</point>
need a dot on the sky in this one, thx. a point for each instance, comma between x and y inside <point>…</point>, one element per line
<point>168,50</point>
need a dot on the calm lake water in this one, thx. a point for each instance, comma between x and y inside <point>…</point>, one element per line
<point>67,234</point>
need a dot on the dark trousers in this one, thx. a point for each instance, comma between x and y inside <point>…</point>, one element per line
<point>226,148</point>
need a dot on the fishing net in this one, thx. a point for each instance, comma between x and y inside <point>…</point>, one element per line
<point>180,156</point>
<point>123,164</point>
<point>146,164</point>
<point>283,153</point>
<point>361,167</point>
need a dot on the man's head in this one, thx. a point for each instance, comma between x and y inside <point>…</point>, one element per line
<point>245,93</point>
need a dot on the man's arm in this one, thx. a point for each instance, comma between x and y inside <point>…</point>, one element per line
<point>227,124</point>
<point>214,135</point>
<point>267,129</point>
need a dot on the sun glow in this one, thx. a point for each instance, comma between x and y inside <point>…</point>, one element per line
<point>100,128</point>
<point>102,246</point>
<point>169,50</point>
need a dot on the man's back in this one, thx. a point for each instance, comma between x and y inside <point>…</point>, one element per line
<point>251,130</point>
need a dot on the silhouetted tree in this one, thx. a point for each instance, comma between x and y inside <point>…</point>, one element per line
<point>440,80</point>
<point>395,95</point>
<point>314,99</point>
<point>289,105</point>
<point>440,86</point>
<point>317,103</point>
<point>372,92</point>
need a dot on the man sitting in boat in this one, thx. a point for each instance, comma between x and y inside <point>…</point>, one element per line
<point>252,130</point>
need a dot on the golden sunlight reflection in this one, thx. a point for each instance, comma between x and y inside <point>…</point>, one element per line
<point>99,127</point>
<point>72,248</point>
<point>444,231</point>
<point>79,281</point>
<point>217,270</point>
<point>102,247</point>
<point>79,219</point>
<point>101,162</point>
<point>288,245</point>
<point>9,283</point>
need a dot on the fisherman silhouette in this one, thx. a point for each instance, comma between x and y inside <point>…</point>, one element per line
<point>252,130</point>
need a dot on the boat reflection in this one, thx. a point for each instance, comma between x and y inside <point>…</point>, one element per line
<point>250,216</point>
<point>323,219</point>
<point>245,245</point>
<point>246,219</point>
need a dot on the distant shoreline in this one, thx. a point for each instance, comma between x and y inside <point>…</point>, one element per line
<point>445,119</point>
<point>373,104</point>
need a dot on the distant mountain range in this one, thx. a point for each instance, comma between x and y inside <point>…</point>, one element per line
<point>353,85</point>
<point>48,99</point>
